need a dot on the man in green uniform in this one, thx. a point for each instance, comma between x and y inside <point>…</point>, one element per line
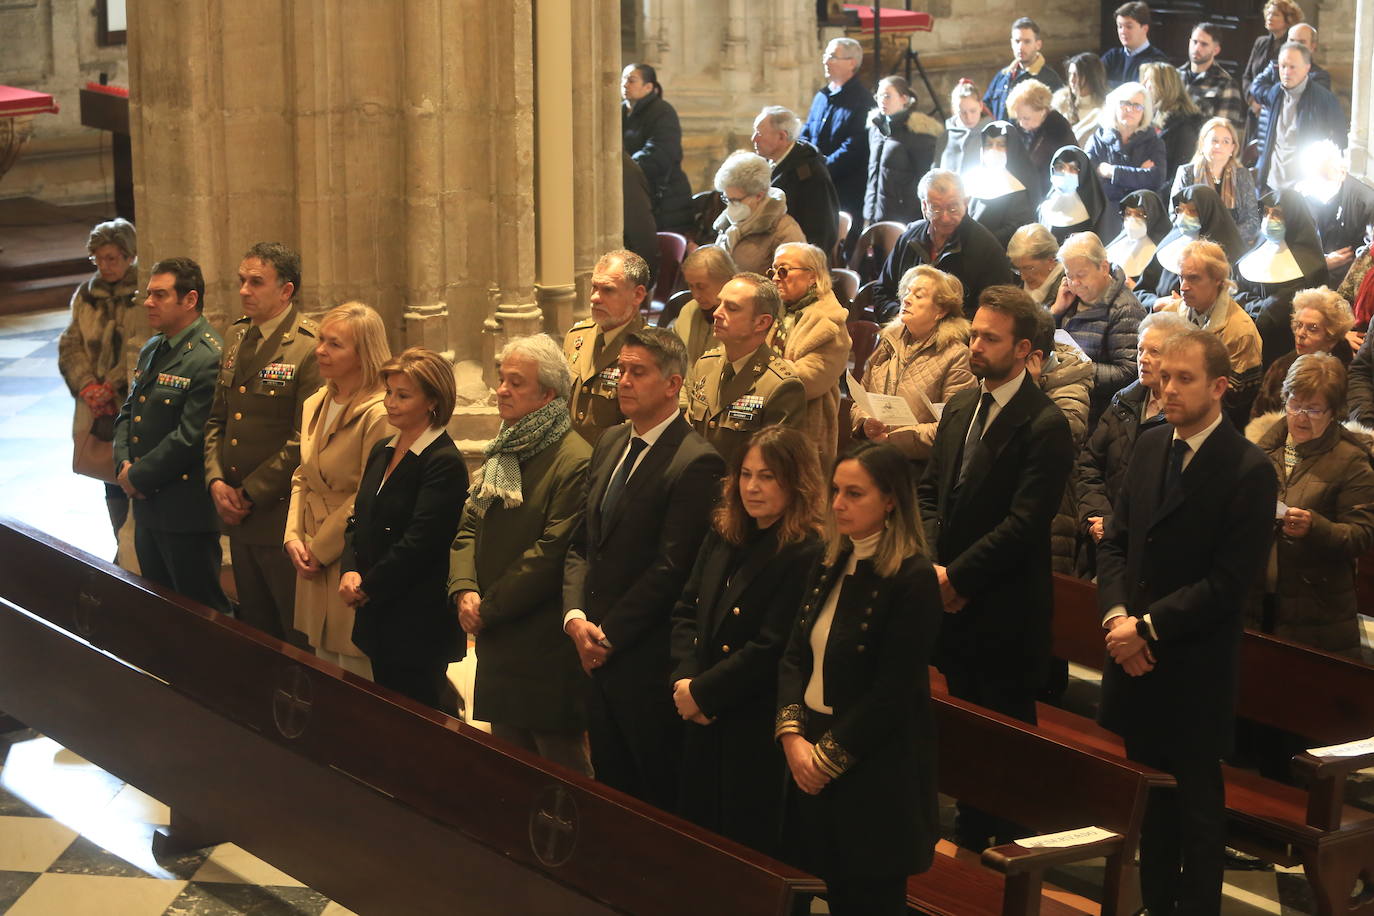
<point>160,438</point>
<point>619,285</point>
<point>743,385</point>
<point>252,438</point>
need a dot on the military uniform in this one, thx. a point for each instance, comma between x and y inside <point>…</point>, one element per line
<point>252,440</point>
<point>595,405</point>
<point>161,432</point>
<point>763,393</point>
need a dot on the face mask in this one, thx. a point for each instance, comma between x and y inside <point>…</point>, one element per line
<point>1272,229</point>
<point>1135,227</point>
<point>737,212</point>
<point>1064,182</point>
<point>1189,224</point>
<point>994,159</point>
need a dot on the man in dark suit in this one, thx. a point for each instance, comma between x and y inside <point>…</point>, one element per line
<point>650,488</point>
<point>1001,457</point>
<point>1189,538</point>
<point>799,172</point>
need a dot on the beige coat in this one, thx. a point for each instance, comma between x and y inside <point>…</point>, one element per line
<point>753,241</point>
<point>322,491</point>
<point>817,346</point>
<point>936,369</point>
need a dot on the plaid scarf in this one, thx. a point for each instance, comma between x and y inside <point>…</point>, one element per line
<point>515,444</point>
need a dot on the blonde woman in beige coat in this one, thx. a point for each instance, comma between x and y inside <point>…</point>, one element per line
<point>812,336</point>
<point>922,356</point>
<point>340,424</point>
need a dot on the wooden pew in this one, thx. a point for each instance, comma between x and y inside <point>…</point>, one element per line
<point>1046,784</point>
<point>1324,698</point>
<point>371,799</point>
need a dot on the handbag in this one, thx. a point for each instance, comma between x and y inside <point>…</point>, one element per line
<point>93,450</point>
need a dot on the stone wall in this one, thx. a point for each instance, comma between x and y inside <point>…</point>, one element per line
<point>50,46</point>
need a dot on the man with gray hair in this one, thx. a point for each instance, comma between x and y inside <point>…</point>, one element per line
<point>946,238</point>
<point>743,385</point>
<point>619,284</point>
<point>506,565</point>
<point>1296,112</point>
<point>837,126</point>
<point>799,171</point>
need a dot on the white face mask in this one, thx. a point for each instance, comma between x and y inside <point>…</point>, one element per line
<point>994,159</point>
<point>1135,227</point>
<point>737,212</point>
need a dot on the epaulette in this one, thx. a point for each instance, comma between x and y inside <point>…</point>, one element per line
<point>244,320</point>
<point>308,325</point>
<point>781,366</point>
<point>582,325</point>
<point>211,341</point>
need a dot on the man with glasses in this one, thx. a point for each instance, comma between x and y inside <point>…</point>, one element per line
<point>946,238</point>
<point>837,126</point>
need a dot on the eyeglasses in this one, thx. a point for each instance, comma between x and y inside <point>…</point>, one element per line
<point>1312,413</point>
<point>1131,106</point>
<point>781,271</point>
<point>1312,330</point>
<point>732,200</point>
<point>945,211</point>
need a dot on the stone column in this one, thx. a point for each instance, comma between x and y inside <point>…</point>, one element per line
<point>1362,93</point>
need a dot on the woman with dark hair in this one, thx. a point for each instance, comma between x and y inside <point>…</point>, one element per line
<point>653,137</point>
<point>901,146</point>
<point>1288,258</point>
<point>1081,97</point>
<point>729,630</point>
<point>854,713</point>
<point>1075,202</point>
<point>1002,191</point>
<point>1198,214</point>
<point>1144,224</point>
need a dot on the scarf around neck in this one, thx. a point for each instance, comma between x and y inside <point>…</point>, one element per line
<point>516,443</point>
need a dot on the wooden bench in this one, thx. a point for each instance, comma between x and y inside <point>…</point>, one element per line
<point>373,800</point>
<point>1324,698</point>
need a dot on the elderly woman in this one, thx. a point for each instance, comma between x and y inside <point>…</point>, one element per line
<point>1288,258</point>
<point>957,148</point>
<point>1320,322</point>
<point>1043,130</point>
<point>755,221</point>
<point>812,336</point>
<point>1101,468</point>
<point>1126,153</point>
<point>1100,313</point>
<point>1081,97</point>
<point>1326,506</point>
<point>1176,115</point>
<point>1074,202</point>
<point>1034,255</point>
<point>901,146</point>
<point>97,354</point>
<point>1144,224</point>
<point>652,136</point>
<point>340,425</point>
<point>1002,190</point>
<point>406,513</point>
<point>506,566</point>
<point>1216,164</point>
<point>706,271</point>
<point>744,591</point>
<point>855,725</point>
<point>923,357</point>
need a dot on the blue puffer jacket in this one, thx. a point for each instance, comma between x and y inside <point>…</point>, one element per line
<point>1107,333</point>
<point>1128,158</point>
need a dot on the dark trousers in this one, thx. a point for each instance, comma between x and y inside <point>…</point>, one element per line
<point>1183,837</point>
<point>974,828</point>
<point>187,562</point>
<point>422,683</point>
<point>882,896</point>
<point>636,738</point>
<point>266,583</point>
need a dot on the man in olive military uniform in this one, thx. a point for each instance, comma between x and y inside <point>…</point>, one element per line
<point>160,438</point>
<point>619,285</point>
<point>743,385</point>
<point>252,438</point>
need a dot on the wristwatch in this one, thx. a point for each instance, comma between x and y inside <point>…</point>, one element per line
<point>1142,629</point>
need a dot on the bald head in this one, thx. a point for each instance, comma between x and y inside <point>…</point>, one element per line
<point>1304,34</point>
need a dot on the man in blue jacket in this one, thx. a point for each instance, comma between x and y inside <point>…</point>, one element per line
<point>1027,64</point>
<point>1298,111</point>
<point>837,126</point>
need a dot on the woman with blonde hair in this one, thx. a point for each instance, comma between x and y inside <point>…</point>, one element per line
<point>1177,117</point>
<point>340,424</point>
<point>1043,130</point>
<point>923,357</point>
<point>1321,319</point>
<point>1125,151</point>
<point>1216,164</point>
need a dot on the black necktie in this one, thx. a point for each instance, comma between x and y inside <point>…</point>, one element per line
<point>621,478</point>
<point>1175,474</point>
<point>975,431</point>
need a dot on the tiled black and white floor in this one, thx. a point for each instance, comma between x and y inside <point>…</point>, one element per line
<point>75,840</point>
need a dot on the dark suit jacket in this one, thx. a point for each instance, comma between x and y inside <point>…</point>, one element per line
<point>398,540</point>
<point>1190,564</point>
<point>626,571</point>
<point>837,126</point>
<point>993,532</point>
<point>811,197</point>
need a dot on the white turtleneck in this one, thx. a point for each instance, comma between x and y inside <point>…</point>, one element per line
<point>820,632</point>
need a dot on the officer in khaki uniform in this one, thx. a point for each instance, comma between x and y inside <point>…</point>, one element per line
<point>160,438</point>
<point>743,385</point>
<point>619,285</point>
<point>252,438</point>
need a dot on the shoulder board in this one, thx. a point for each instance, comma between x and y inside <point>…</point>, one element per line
<point>308,325</point>
<point>713,353</point>
<point>244,320</point>
<point>781,366</point>
<point>582,325</point>
<point>213,342</point>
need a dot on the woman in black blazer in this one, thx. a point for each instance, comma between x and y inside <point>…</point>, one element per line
<point>854,713</point>
<point>729,629</point>
<point>395,560</point>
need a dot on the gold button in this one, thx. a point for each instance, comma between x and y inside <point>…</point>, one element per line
<point>142,398</point>
<point>863,627</point>
<point>233,442</point>
<point>273,392</point>
<point>185,476</point>
<point>238,416</point>
<point>138,419</point>
<point>135,439</point>
<point>868,612</point>
<point>243,389</point>
<point>166,400</point>
<point>735,611</point>
<point>233,470</point>
<point>862,647</point>
<point>725,649</point>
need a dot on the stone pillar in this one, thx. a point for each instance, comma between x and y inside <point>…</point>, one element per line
<point>1362,93</point>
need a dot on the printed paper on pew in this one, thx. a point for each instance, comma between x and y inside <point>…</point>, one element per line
<point>890,409</point>
<point>1080,837</point>
<point>1349,749</point>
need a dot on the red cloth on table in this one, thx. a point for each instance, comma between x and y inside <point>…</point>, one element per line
<point>15,101</point>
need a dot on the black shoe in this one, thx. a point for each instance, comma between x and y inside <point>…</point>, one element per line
<point>1242,861</point>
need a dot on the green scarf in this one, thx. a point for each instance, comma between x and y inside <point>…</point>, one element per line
<point>516,443</point>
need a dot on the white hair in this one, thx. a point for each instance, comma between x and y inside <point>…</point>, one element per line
<point>1032,241</point>
<point>554,374</point>
<point>749,172</point>
<point>1169,323</point>
<point>942,180</point>
<point>782,119</point>
<point>1111,108</point>
<point>1084,245</point>
<point>847,48</point>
